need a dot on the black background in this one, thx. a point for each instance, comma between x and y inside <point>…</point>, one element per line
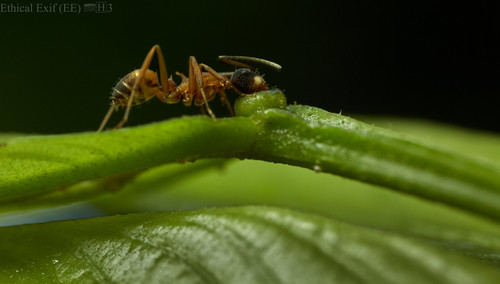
<point>424,59</point>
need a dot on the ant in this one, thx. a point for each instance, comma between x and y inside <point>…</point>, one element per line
<point>142,84</point>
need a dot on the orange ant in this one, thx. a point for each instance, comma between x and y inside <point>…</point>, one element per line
<point>142,84</point>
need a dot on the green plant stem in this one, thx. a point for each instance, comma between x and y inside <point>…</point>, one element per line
<point>300,135</point>
<point>31,164</point>
<point>326,142</point>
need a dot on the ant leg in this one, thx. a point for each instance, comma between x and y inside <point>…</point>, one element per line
<point>225,101</point>
<point>140,76</point>
<point>106,118</point>
<point>196,83</point>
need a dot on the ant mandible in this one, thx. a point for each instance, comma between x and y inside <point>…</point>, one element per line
<point>142,84</point>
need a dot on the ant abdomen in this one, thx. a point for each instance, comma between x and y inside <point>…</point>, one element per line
<point>248,81</point>
<point>149,87</point>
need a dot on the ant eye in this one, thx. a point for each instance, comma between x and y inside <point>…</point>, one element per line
<point>248,81</point>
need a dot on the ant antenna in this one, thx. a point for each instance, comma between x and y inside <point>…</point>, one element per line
<point>235,60</point>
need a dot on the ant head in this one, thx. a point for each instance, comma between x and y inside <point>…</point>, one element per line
<point>248,81</point>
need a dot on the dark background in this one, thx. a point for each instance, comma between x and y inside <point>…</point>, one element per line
<point>424,59</point>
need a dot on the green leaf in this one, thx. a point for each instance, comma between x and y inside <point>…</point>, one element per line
<point>197,185</point>
<point>480,144</point>
<point>231,245</point>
